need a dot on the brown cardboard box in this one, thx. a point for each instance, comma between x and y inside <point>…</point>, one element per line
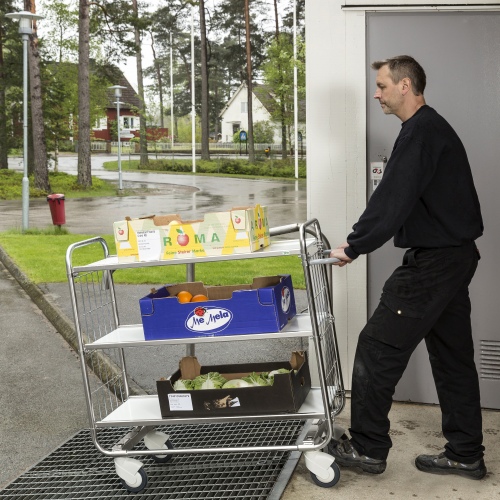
<point>286,395</point>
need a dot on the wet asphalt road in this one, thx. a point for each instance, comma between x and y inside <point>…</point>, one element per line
<point>189,196</point>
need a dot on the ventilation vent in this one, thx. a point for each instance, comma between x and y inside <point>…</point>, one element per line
<point>490,359</point>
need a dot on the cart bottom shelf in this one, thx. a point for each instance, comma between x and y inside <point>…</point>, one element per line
<point>145,410</point>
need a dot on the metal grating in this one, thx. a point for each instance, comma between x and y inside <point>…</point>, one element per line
<point>490,359</point>
<point>76,470</point>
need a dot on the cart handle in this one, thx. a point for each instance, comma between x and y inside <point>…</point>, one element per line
<point>290,228</point>
<point>324,260</point>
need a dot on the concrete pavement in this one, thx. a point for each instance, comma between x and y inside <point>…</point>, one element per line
<point>41,398</point>
<point>42,404</point>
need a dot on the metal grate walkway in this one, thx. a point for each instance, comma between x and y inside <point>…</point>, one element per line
<point>77,470</point>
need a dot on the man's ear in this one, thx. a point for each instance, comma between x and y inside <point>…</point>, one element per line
<point>405,84</point>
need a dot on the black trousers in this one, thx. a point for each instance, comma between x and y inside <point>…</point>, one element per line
<point>425,298</point>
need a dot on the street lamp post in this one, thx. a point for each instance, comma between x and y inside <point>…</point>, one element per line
<point>25,29</point>
<point>118,93</point>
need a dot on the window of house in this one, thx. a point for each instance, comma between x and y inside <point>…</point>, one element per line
<point>244,107</point>
<point>100,124</point>
<point>236,127</point>
<point>126,122</point>
<point>131,122</point>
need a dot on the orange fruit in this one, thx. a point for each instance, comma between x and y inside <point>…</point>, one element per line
<point>199,298</point>
<point>184,296</point>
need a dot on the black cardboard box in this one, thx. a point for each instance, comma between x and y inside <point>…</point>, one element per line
<point>286,395</point>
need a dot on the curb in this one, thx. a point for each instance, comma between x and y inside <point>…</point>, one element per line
<point>60,321</point>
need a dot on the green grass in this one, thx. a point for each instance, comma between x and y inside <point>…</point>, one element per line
<point>60,182</point>
<point>41,255</point>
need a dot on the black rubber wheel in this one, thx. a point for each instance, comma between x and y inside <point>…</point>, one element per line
<point>333,477</point>
<point>162,459</point>
<point>142,485</point>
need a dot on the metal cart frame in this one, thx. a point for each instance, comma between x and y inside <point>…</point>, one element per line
<point>112,401</point>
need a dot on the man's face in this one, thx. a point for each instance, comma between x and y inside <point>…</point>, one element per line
<point>388,93</point>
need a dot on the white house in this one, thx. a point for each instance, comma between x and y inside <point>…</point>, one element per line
<point>234,116</point>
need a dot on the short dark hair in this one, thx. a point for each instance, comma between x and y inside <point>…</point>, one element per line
<point>405,67</point>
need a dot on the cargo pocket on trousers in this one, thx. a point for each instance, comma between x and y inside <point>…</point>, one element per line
<point>395,322</point>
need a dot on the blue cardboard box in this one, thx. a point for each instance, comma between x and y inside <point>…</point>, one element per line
<point>264,306</point>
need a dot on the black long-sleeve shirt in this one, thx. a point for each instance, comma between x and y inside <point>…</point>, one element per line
<point>426,197</point>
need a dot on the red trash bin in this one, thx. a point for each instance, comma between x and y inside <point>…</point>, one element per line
<point>56,204</point>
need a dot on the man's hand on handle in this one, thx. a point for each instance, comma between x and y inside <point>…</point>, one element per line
<point>339,253</point>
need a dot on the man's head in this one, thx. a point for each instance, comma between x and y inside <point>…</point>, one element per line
<point>400,85</point>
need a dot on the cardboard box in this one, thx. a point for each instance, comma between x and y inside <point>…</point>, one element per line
<point>286,395</point>
<point>239,230</point>
<point>264,306</point>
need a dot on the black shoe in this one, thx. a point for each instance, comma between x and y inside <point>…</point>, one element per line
<point>345,454</point>
<point>440,464</point>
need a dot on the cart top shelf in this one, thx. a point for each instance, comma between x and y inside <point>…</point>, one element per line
<point>278,248</point>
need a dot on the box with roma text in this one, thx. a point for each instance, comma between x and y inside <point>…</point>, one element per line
<point>239,230</point>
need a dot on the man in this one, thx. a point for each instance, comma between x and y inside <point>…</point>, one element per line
<point>427,201</point>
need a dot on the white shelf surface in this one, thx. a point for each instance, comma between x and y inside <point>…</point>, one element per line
<point>145,410</point>
<point>133,335</point>
<point>278,248</point>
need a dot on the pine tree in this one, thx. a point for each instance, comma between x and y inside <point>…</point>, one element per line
<point>41,166</point>
<point>205,125</point>
<point>10,78</point>
<point>143,144</point>
<point>84,178</point>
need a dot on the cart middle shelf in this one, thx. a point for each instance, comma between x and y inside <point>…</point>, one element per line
<point>133,335</point>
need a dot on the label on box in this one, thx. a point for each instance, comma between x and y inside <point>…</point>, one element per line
<point>286,299</point>
<point>149,245</point>
<point>180,402</point>
<point>208,320</point>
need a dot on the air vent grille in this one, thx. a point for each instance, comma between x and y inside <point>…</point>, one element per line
<point>490,359</point>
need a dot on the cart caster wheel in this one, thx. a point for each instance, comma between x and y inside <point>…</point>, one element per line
<point>141,480</point>
<point>162,459</point>
<point>331,479</point>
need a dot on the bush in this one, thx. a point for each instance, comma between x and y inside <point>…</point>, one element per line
<point>227,166</point>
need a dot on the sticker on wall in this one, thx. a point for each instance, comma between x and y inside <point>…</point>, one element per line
<point>376,172</point>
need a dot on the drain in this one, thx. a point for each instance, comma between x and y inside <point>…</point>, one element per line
<point>76,470</point>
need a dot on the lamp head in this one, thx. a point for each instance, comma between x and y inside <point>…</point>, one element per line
<point>25,21</point>
<point>118,90</point>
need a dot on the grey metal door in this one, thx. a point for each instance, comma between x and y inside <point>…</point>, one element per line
<point>460,52</point>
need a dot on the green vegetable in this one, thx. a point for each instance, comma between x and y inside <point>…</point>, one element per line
<point>257,379</point>
<point>236,383</point>
<point>212,380</point>
<point>183,385</point>
<point>276,372</point>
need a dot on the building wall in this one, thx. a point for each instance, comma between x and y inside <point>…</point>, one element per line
<point>234,117</point>
<point>337,130</point>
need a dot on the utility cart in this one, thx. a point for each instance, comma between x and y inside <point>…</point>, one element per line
<point>113,400</point>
